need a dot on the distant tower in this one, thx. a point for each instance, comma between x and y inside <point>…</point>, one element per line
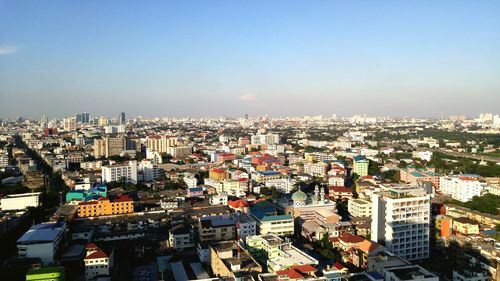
<point>121,119</point>
<point>246,116</point>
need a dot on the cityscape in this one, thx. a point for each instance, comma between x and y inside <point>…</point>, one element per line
<point>249,141</point>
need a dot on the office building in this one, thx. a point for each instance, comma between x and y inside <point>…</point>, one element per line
<point>401,219</point>
<point>121,119</point>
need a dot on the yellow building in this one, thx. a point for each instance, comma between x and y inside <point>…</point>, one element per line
<point>218,174</point>
<point>105,207</point>
<point>465,226</point>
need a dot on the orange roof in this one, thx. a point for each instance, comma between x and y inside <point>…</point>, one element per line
<point>238,203</point>
<point>338,266</point>
<point>368,246</point>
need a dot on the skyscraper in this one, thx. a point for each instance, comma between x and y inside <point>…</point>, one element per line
<point>121,118</point>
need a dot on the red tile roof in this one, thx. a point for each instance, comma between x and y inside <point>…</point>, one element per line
<point>338,266</point>
<point>98,254</point>
<point>304,268</point>
<point>291,273</point>
<point>238,203</point>
<point>347,237</point>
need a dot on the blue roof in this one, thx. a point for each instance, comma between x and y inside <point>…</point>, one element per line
<point>195,189</point>
<point>277,218</point>
<point>359,158</point>
<point>376,275</point>
<point>45,232</point>
<point>267,173</point>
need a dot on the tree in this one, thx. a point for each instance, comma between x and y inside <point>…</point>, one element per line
<point>274,192</point>
<point>264,190</point>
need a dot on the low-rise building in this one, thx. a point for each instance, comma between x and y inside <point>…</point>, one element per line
<point>181,236</point>
<point>229,259</point>
<point>103,206</point>
<point>98,263</point>
<point>216,228</point>
<point>42,241</point>
<point>20,201</point>
<point>276,253</point>
<point>360,208</point>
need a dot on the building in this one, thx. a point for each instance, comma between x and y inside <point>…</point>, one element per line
<point>69,124</point>
<point>422,155</point>
<point>218,174</point>
<point>20,201</point>
<point>42,241</point>
<point>103,206</point>
<point>268,220</point>
<point>216,228</point>
<point>160,143</point>
<point>318,169</point>
<point>408,273</point>
<point>360,208</point>
<point>276,253</point>
<point>180,151</point>
<point>401,221</point>
<point>229,259</point>
<point>218,199</point>
<point>360,166</point>
<point>265,139</point>
<point>123,172</point>
<point>121,118</point>
<point>109,146</point>
<point>148,171</point>
<point>263,176</point>
<point>339,193</point>
<point>98,263</point>
<point>100,190</point>
<point>284,185</point>
<point>54,273</point>
<point>245,225</point>
<point>461,188</point>
<point>181,236</point>
<point>415,176</point>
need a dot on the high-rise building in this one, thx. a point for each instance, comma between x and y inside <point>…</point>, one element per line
<point>400,220</point>
<point>116,173</point>
<point>85,118</point>
<point>121,119</point>
<point>109,146</point>
<point>69,124</point>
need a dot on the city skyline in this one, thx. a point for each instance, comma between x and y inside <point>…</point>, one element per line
<point>420,59</point>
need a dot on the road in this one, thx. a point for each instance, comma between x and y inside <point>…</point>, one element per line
<point>469,155</point>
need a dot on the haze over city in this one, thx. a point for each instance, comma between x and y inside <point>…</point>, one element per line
<point>282,58</point>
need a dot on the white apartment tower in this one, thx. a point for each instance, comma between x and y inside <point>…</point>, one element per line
<point>401,219</point>
<point>116,173</point>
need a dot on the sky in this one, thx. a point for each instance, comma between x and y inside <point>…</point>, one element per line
<point>282,58</point>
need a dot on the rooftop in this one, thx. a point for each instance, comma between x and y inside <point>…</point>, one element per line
<point>42,233</point>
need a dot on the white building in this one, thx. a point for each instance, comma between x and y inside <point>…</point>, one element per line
<point>282,185</point>
<point>20,201</point>
<point>41,241</point>
<point>190,181</point>
<point>318,169</point>
<point>98,264</point>
<point>180,237</point>
<point>400,220</point>
<point>245,225</point>
<point>265,139</point>
<point>218,199</point>
<point>461,187</point>
<point>148,171</point>
<point>359,208</point>
<point>422,155</point>
<point>153,156</point>
<point>115,173</point>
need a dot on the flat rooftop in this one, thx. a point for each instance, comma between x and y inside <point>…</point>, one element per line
<point>42,233</point>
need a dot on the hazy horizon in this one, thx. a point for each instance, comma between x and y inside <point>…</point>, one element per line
<point>282,58</point>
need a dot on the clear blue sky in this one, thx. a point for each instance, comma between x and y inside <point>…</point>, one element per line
<point>285,58</point>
